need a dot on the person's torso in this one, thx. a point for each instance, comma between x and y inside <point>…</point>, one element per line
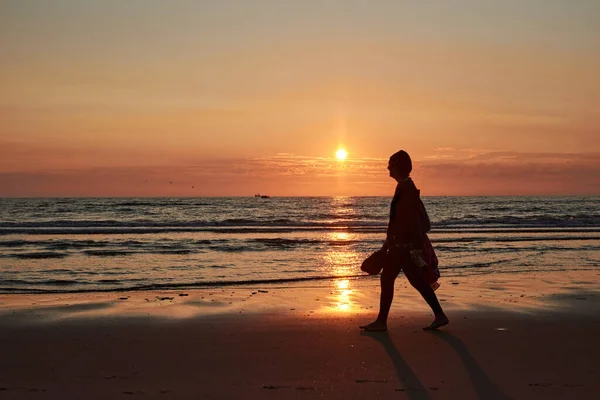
<point>403,210</point>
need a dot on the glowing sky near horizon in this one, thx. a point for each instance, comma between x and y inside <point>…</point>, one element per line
<point>113,98</point>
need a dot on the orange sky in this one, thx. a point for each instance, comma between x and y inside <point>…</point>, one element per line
<point>113,98</point>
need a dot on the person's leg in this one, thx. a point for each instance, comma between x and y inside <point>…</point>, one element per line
<point>388,277</point>
<point>417,280</point>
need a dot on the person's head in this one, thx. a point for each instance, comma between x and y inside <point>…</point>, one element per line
<point>400,165</point>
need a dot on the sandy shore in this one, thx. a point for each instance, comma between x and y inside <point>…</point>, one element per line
<point>513,336</point>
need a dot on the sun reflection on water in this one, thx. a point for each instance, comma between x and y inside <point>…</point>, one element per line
<point>343,284</point>
<point>342,263</point>
<point>340,236</point>
<point>341,259</point>
<point>342,299</point>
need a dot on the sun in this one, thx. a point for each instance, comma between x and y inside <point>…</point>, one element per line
<point>341,154</point>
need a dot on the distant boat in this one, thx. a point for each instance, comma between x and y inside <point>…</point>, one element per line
<point>262,196</point>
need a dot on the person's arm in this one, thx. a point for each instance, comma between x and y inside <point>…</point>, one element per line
<point>408,226</point>
<point>415,230</point>
<point>384,247</point>
<point>391,232</point>
<point>390,228</point>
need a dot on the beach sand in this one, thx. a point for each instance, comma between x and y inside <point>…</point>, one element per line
<point>519,336</point>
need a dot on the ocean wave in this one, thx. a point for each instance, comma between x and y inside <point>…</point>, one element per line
<point>508,239</point>
<point>457,242</point>
<point>17,243</point>
<point>463,229</point>
<point>230,222</point>
<point>43,282</point>
<point>16,285</point>
<point>282,243</point>
<point>108,253</point>
<point>38,255</point>
<point>577,220</point>
<point>74,244</point>
<point>175,251</point>
<point>153,230</point>
<point>359,223</point>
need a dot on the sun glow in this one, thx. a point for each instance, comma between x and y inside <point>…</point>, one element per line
<point>341,154</point>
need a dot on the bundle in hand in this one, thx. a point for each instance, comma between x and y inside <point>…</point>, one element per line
<point>377,261</point>
<point>374,263</point>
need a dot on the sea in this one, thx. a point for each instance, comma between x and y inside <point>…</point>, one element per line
<point>62,245</point>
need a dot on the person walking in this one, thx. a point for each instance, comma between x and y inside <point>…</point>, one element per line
<point>403,248</point>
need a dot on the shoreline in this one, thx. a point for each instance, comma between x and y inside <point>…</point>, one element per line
<point>510,336</point>
<point>516,291</point>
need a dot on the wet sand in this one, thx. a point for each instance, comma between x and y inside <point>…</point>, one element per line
<point>513,336</point>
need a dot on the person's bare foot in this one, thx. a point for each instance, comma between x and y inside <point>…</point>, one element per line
<point>440,320</point>
<point>377,326</point>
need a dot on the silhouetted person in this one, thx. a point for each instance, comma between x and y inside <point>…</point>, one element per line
<point>403,245</point>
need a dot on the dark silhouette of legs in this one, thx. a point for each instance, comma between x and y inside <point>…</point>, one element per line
<point>388,278</point>
<point>417,280</point>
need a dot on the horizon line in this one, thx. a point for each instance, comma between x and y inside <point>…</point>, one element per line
<point>281,197</point>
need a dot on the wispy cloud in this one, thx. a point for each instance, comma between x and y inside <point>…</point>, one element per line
<point>514,173</point>
<point>459,172</point>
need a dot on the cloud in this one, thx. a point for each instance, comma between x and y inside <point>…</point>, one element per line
<point>472,172</point>
<point>513,173</point>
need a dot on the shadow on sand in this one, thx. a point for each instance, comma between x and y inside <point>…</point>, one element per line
<point>415,390</point>
<point>413,387</point>
<point>482,384</point>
